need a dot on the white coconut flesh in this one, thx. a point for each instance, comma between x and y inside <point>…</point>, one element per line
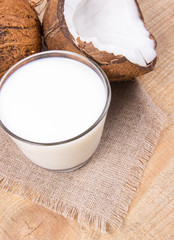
<point>113,26</point>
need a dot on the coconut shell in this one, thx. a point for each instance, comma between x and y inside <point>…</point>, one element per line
<point>20,32</point>
<point>57,36</point>
<point>39,6</point>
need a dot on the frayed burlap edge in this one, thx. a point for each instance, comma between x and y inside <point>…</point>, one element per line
<point>83,217</point>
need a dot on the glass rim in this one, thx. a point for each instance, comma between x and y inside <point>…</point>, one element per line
<point>66,54</point>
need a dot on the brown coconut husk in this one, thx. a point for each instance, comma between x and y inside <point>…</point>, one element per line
<point>57,36</point>
<point>20,32</point>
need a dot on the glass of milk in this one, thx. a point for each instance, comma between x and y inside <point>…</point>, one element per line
<point>53,105</point>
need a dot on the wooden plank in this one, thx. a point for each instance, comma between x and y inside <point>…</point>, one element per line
<point>151,215</point>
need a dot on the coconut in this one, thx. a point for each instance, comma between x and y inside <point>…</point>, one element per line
<point>20,32</point>
<point>112,33</point>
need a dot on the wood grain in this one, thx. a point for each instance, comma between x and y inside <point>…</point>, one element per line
<point>151,215</point>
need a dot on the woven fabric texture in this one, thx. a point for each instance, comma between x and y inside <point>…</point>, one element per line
<point>100,193</point>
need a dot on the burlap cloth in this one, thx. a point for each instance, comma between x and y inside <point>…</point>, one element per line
<point>101,192</point>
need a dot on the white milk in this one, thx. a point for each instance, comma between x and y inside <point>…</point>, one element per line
<point>52,100</point>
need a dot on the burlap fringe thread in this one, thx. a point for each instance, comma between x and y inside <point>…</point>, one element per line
<point>83,217</point>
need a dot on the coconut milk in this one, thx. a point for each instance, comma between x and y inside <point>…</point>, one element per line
<point>48,104</point>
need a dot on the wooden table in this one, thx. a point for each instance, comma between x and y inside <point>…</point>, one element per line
<point>151,215</point>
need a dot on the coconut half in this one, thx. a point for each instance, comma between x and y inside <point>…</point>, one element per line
<point>110,32</point>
